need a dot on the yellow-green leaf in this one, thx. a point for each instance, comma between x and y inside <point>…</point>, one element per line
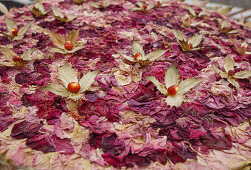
<point>195,40</point>
<point>10,24</point>
<point>73,36</point>
<point>137,48</point>
<point>175,100</point>
<point>26,55</point>
<point>3,8</point>
<point>159,86</point>
<point>23,30</point>
<point>87,80</point>
<point>186,85</point>
<point>172,76</point>
<point>57,89</point>
<point>243,74</point>
<point>228,64</point>
<point>67,74</point>
<point>154,55</point>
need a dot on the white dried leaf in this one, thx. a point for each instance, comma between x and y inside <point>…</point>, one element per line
<point>189,83</point>
<point>67,75</point>
<point>243,74</point>
<point>137,48</point>
<point>172,76</point>
<point>154,55</point>
<point>175,100</point>
<point>228,64</point>
<point>159,86</point>
<point>87,80</point>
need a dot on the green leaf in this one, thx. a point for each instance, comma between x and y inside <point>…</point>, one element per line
<point>175,100</point>
<point>186,85</point>
<point>195,40</point>
<point>73,36</point>
<point>221,73</point>
<point>87,80</point>
<point>57,89</point>
<point>26,55</point>
<point>67,75</point>
<point>159,86</point>
<point>137,48</point>
<point>234,83</point>
<point>179,35</point>
<point>172,76</point>
<point>10,24</point>
<point>154,55</point>
<point>242,74</point>
<point>128,58</point>
<point>228,64</point>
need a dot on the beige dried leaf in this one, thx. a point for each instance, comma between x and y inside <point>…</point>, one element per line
<point>224,11</point>
<point>8,53</point>
<point>73,36</point>
<point>234,83</point>
<point>137,48</point>
<point>228,64</point>
<point>3,8</point>
<point>78,1</point>
<point>189,83</point>
<point>192,11</point>
<point>23,30</point>
<point>57,13</point>
<point>7,64</point>
<point>179,35</point>
<point>172,76</point>
<point>154,55</point>
<point>67,74</point>
<point>26,55</point>
<point>174,100</point>
<point>221,73</point>
<point>10,24</point>
<point>57,89</point>
<point>195,40</point>
<point>57,39</point>
<point>86,81</point>
<point>128,58</point>
<point>159,86</point>
<point>242,74</point>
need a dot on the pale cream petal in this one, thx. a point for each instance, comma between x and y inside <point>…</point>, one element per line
<point>137,48</point>
<point>186,85</point>
<point>221,73</point>
<point>73,36</point>
<point>57,89</point>
<point>175,100</point>
<point>8,53</point>
<point>67,74</point>
<point>154,55</point>
<point>128,58</point>
<point>159,86</point>
<point>234,83</point>
<point>57,13</point>
<point>123,80</point>
<point>26,55</point>
<point>242,74</point>
<point>228,64</point>
<point>172,76</point>
<point>195,40</point>
<point>23,30</point>
<point>179,35</point>
<point>10,24</point>
<point>87,80</point>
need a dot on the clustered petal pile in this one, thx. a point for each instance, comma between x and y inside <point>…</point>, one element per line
<point>121,119</point>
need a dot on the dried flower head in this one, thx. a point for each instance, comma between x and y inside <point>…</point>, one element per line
<point>100,4</point>
<point>142,7</point>
<point>174,89</point>
<point>140,57</point>
<point>242,49</point>
<point>65,45</point>
<point>13,59</point>
<point>188,44</point>
<point>226,28</point>
<point>15,33</point>
<point>194,14</point>
<point>61,17</point>
<point>71,87</point>
<point>230,73</point>
<point>38,10</point>
<point>79,1</point>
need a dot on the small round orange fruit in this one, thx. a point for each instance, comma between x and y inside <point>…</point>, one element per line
<point>14,31</point>
<point>16,59</point>
<point>231,73</point>
<point>144,7</point>
<point>73,87</point>
<point>172,90</point>
<point>68,45</point>
<point>138,56</point>
<point>190,45</point>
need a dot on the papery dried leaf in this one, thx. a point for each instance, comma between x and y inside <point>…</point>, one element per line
<point>224,24</point>
<point>57,89</point>
<point>18,37</point>
<point>128,58</point>
<point>186,20</point>
<point>40,7</point>
<point>78,1</point>
<point>57,13</point>
<point>137,48</point>
<point>23,30</point>
<point>159,86</point>
<point>247,24</point>
<point>228,64</point>
<point>221,73</point>
<point>7,64</point>
<point>10,24</point>
<point>175,100</point>
<point>200,3</point>
<point>185,46</point>
<point>234,83</point>
<point>154,55</point>
<point>26,55</point>
<point>202,13</point>
<point>242,74</point>
<point>79,134</point>
<point>86,81</point>
<point>248,53</point>
<point>172,76</point>
<point>195,40</point>
<point>73,36</point>
<point>95,5</point>
<point>67,74</point>
<point>8,53</point>
<point>58,50</point>
<point>72,105</point>
<point>3,8</point>
<point>70,18</point>
<point>140,4</point>
<point>75,49</point>
<point>4,33</point>
<point>186,85</point>
<point>196,23</point>
<point>192,11</point>
<point>179,35</point>
<point>57,39</point>
<point>74,96</point>
<point>224,11</point>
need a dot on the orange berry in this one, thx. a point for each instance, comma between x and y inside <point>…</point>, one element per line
<point>73,87</point>
<point>158,4</point>
<point>190,45</point>
<point>68,45</point>
<point>138,56</point>
<point>16,59</point>
<point>172,90</point>
<point>144,7</point>
<point>14,31</point>
<point>231,73</point>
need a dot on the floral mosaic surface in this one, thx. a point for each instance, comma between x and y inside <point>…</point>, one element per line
<point>158,85</point>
